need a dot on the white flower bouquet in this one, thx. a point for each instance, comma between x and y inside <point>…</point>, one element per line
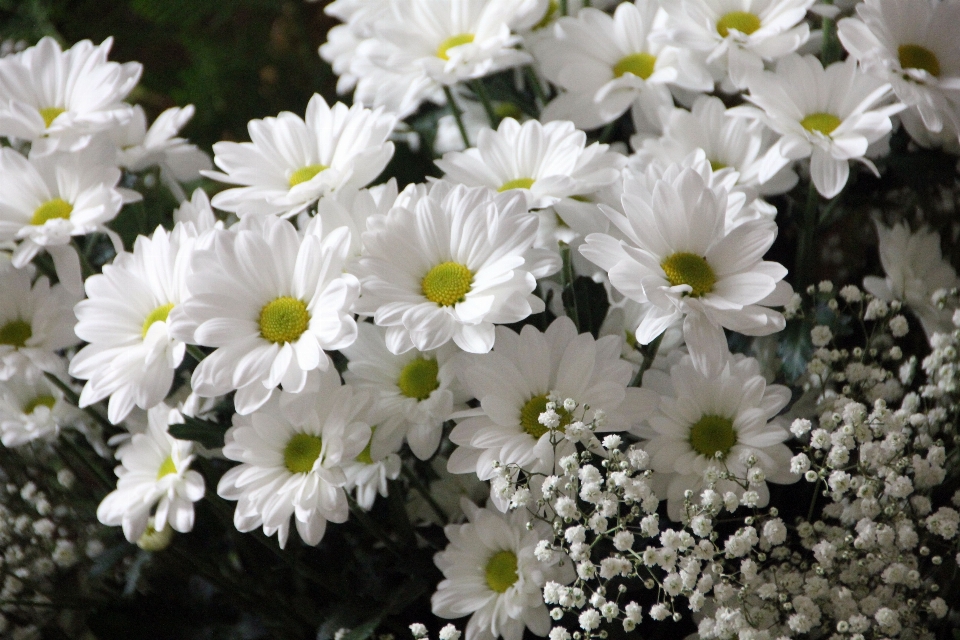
<point>666,341</point>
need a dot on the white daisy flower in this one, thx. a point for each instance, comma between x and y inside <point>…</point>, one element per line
<point>56,98</point>
<point>738,36</point>
<point>513,383</point>
<point>715,421</point>
<point>340,47</point>
<point>603,63</point>
<point>350,208</point>
<point>368,475</point>
<point>677,252</point>
<point>139,148</point>
<point>623,316</point>
<point>35,322</point>
<point>912,44</point>
<point>915,269</point>
<point>270,303</point>
<point>450,264</point>
<point>416,391</point>
<point>32,409</point>
<point>131,356</point>
<point>728,143</point>
<point>546,163</point>
<point>292,452</point>
<point>420,45</point>
<point>197,212</point>
<point>46,201</point>
<point>830,115</point>
<point>293,162</point>
<point>490,571</point>
<point>154,471</point>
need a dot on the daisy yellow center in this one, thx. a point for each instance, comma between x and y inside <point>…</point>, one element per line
<point>713,434</point>
<point>716,165</point>
<point>913,56</point>
<point>825,123</point>
<point>50,114</point>
<point>39,401</point>
<point>306,174</point>
<point>530,416</point>
<point>451,42</point>
<point>639,64</point>
<point>15,333</point>
<point>50,210</point>
<point>157,315</point>
<point>283,319</point>
<point>302,452</point>
<point>690,269</point>
<point>418,379</point>
<point>519,183</point>
<point>166,467</point>
<point>447,283</point>
<point>364,456</point>
<point>501,571</point>
<point>742,21</point>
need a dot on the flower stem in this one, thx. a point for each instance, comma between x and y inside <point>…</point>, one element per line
<point>649,355</point>
<point>457,115</point>
<point>538,90</point>
<point>196,353</point>
<point>567,277</point>
<point>481,91</point>
<point>830,47</point>
<point>808,231</point>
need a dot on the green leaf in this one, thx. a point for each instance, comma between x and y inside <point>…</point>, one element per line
<point>209,434</point>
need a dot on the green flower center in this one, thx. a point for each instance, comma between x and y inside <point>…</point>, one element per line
<point>50,114</point>
<point>302,452</point>
<point>306,174</point>
<point>713,434</point>
<point>166,467</point>
<point>418,378</point>
<point>153,540</point>
<point>631,339</point>
<point>507,110</point>
<point>519,183</point>
<point>283,319</point>
<point>451,42</point>
<point>364,456</point>
<point>502,571</point>
<point>716,165</point>
<point>15,333</point>
<point>51,210</point>
<point>913,56</point>
<point>639,64</point>
<point>39,401</point>
<point>157,315</point>
<point>690,269</point>
<point>447,283</point>
<point>825,123</point>
<point>530,416</point>
<point>742,21</point>
<point>552,8</point>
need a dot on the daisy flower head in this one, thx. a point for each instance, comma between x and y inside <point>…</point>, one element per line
<point>350,208</point>
<point>31,409</point>
<point>139,148</point>
<point>36,321</point>
<point>270,303</point>
<point>367,475</point>
<point>154,471</point>
<point>291,162</point>
<point>676,251</point>
<point>733,144</point>
<point>912,44</point>
<point>55,98</point>
<point>604,63</point>
<point>131,356</point>
<point>715,421</point>
<point>291,453</point>
<point>45,201</point>
<point>915,269</point>
<point>492,574</point>
<point>545,162</point>
<point>416,391</point>
<point>737,36</point>
<point>830,115</point>
<point>448,263</point>
<point>514,383</point>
